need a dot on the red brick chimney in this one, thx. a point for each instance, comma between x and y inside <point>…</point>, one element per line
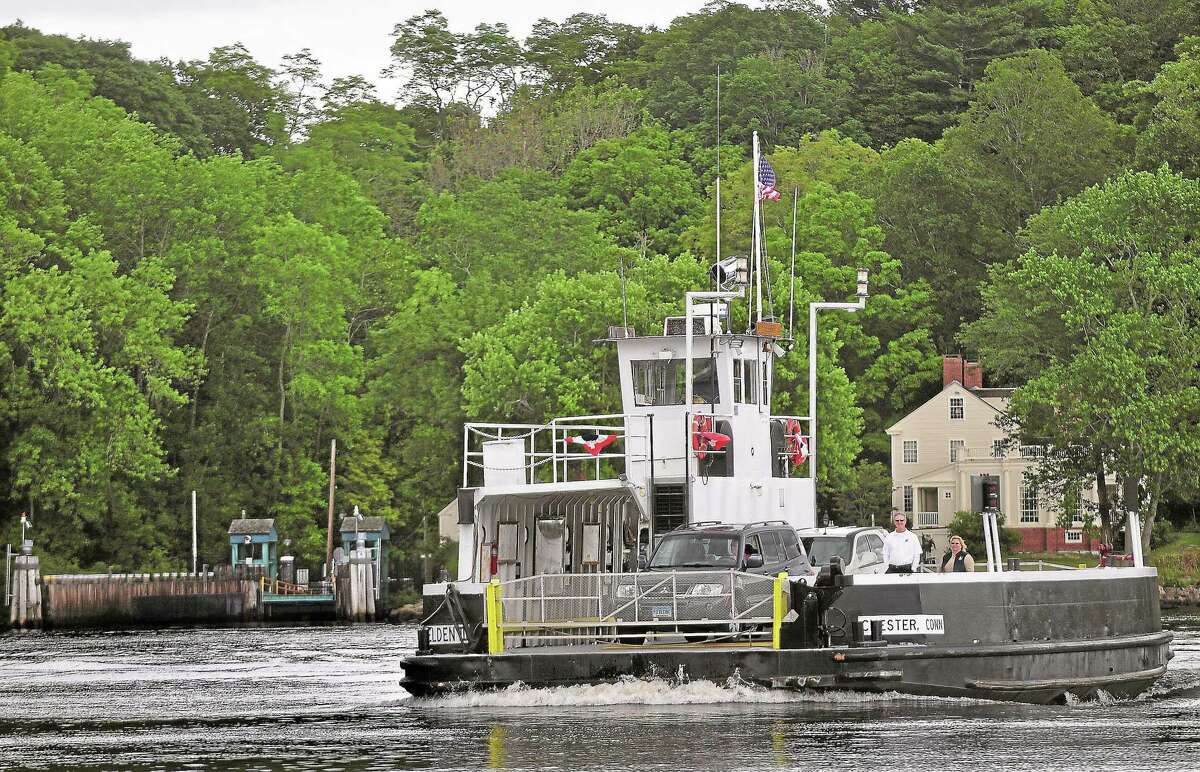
<point>969,374</point>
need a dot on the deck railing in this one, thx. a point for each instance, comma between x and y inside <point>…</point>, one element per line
<point>548,453</point>
<point>591,608</point>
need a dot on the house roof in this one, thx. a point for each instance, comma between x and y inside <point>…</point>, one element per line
<point>978,394</point>
<point>249,526</point>
<point>366,524</point>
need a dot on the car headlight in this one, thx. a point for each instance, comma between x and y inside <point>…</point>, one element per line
<point>703,590</point>
<point>626,591</point>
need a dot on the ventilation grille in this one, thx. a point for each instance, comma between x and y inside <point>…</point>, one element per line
<point>677,325</point>
<point>670,508</point>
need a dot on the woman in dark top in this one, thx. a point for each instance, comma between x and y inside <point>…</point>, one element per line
<point>957,558</point>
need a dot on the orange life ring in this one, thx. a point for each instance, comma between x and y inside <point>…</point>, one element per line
<point>796,443</point>
<point>701,425</point>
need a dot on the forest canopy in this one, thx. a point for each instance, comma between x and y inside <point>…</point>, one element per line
<point>212,268</point>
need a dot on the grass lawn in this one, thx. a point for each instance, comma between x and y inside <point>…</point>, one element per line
<point>1178,562</point>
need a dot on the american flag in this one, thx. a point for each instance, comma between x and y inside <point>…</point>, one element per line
<point>766,181</point>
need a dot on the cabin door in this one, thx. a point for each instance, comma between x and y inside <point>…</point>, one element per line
<point>550,546</point>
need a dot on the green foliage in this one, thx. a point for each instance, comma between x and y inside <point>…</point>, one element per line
<point>643,194</point>
<point>176,317</point>
<point>1172,135</point>
<point>1099,318</point>
<point>969,525</point>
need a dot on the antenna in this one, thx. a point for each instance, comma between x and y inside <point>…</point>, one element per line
<point>624,301</point>
<point>792,275</point>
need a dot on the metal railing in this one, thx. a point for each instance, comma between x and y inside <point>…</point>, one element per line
<point>785,455</point>
<point>547,453</point>
<point>591,608</point>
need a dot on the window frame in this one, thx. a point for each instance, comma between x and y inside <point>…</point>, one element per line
<point>962,446</point>
<point>962,409</point>
<point>1026,490</point>
<point>904,448</point>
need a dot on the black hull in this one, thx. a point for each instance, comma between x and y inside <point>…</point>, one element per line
<point>1014,637</point>
<point>1024,672</point>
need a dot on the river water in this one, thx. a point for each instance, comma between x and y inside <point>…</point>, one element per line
<point>300,698</point>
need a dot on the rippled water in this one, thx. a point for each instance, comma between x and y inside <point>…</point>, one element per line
<point>296,698</point>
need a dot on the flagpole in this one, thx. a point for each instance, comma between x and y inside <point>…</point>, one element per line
<point>757,241</point>
<point>718,255</point>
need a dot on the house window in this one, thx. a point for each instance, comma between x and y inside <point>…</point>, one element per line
<point>1073,537</point>
<point>957,411</point>
<point>958,450</point>
<point>1072,506</point>
<point>1029,503</point>
<point>908,499</point>
<point>998,448</point>
<point>910,451</point>
<point>1031,451</point>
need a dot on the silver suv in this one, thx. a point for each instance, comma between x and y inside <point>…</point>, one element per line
<point>860,548</point>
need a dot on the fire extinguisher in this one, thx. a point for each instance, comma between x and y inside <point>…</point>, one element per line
<point>495,560</point>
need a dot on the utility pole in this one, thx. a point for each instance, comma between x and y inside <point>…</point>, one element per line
<point>329,533</point>
<point>194,551</point>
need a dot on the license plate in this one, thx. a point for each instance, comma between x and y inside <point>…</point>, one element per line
<point>660,611</point>
<point>443,634</point>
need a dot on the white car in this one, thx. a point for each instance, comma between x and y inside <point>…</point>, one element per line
<point>860,548</point>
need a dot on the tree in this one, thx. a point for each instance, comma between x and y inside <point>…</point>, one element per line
<point>441,67</point>
<point>236,98</point>
<point>541,360</point>
<point>643,194</point>
<point>581,50</point>
<point>677,67</point>
<point>969,525</point>
<point>147,89</point>
<point>372,143</point>
<point>1173,133</point>
<point>1032,139</point>
<point>538,132</point>
<point>1099,319</point>
<point>784,97</point>
<point>947,45</point>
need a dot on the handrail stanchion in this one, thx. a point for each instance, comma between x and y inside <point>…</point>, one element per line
<point>495,615</point>
<point>1133,537</point>
<point>779,611</point>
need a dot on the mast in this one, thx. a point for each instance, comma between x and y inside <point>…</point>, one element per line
<point>756,241</point>
<point>717,257</point>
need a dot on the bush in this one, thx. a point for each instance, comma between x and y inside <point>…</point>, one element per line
<point>969,525</point>
<point>1162,532</point>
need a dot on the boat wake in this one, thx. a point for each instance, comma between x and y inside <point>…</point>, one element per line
<point>662,691</point>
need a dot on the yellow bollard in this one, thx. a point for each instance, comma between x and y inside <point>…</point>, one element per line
<point>495,618</point>
<point>779,610</point>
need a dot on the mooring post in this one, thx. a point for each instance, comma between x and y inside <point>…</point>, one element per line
<point>494,618</point>
<point>779,611</point>
<point>26,608</point>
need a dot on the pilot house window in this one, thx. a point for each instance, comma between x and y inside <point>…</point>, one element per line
<point>745,378</point>
<point>663,381</point>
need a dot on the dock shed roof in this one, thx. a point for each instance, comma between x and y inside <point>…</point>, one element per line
<point>247,526</point>
<point>366,525</point>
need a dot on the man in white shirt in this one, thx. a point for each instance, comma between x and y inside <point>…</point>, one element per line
<point>901,548</point>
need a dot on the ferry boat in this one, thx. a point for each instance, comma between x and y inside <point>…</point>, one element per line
<point>562,528</point>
